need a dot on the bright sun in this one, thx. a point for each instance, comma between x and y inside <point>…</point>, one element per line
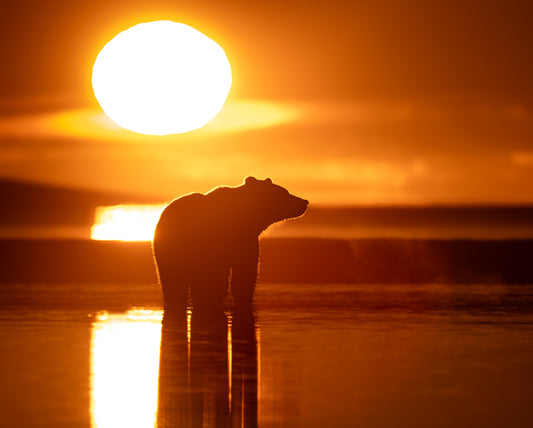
<point>161,78</point>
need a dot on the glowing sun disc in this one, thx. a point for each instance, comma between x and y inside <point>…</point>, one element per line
<point>161,78</point>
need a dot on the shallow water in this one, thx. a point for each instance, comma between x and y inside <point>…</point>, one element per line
<point>311,356</point>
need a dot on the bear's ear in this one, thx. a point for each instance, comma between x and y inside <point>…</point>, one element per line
<point>249,180</point>
<point>268,180</point>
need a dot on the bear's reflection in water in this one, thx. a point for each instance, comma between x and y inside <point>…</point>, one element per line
<point>208,370</point>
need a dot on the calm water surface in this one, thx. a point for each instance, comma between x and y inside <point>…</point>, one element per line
<point>311,356</point>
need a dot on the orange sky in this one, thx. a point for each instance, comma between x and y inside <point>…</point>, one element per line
<point>292,49</point>
<point>366,101</point>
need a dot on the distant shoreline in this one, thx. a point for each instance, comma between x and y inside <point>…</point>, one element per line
<point>286,260</point>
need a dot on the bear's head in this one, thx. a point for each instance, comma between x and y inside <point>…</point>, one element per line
<point>271,203</point>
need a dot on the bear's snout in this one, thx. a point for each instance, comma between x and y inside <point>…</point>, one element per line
<point>302,206</point>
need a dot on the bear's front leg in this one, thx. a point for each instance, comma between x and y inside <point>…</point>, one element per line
<point>244,277</point>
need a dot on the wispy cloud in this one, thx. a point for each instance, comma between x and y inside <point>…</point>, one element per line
<point>353,152</point>
<point>524,158</point>
<point>95,125</point>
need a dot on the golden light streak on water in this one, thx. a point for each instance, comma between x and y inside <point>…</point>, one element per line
<point>125,369</point>
<point>230,358</point>
<point>126,222</point>
<point>258,342</point>
<point>189,321</point>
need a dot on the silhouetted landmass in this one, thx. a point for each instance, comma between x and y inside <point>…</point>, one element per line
<point>392,261</point>
<point>27,203</point>
<point>417,222</point>
<point>364,261</point>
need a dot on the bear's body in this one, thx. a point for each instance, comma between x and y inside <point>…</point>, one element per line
<point>207,242</point>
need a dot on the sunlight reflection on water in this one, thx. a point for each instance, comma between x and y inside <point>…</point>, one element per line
<point>125,368</point>
<point>326,355</point>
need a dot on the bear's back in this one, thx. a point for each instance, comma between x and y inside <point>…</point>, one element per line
<point>180,214</point>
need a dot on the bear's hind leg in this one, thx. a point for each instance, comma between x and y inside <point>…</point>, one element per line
<point>176,297</point>
<point>209,290</point>
<point>175,292</point>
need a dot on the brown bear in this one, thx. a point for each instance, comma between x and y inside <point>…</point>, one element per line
<point>209,243</point>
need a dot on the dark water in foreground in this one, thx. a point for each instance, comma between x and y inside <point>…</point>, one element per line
<point>314,356</point>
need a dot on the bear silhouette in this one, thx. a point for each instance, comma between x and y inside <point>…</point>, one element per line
<point>207,244</point>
